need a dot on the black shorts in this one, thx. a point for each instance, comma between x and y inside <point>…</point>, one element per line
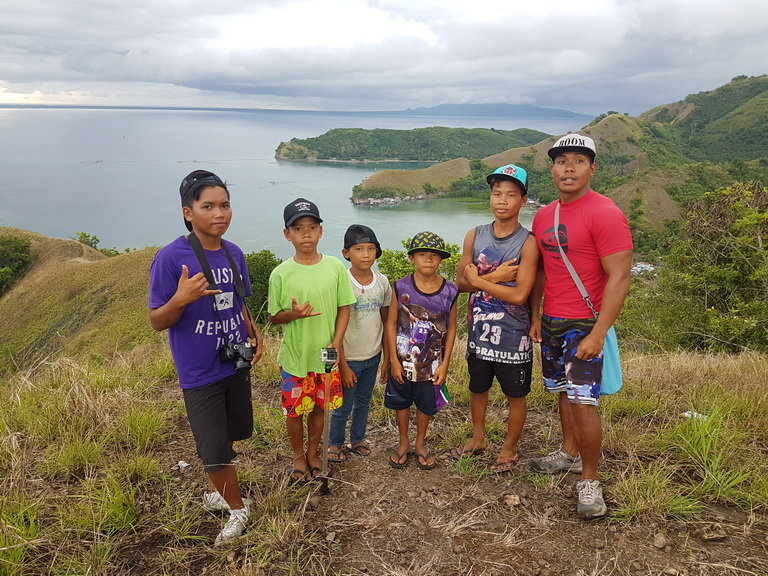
<point>220,413</point>
<point>514,379</point>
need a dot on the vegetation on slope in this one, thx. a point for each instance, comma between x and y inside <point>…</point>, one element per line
<point>436,143</point>
<point>92,431</point>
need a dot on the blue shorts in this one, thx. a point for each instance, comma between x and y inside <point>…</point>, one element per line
<point>561,370</point>
<point>425,395</point>
<point>220,413</point>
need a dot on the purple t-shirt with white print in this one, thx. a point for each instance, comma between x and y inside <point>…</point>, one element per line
<point>196,338</point>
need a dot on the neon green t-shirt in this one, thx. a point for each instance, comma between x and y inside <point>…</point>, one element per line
<point>326,286</point>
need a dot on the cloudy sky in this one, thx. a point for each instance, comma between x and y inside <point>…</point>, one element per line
<point>588,56</point>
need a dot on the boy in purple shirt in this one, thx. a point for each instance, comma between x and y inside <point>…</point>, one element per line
<point>202,320</point>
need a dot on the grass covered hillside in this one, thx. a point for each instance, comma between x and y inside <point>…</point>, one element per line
<point>99,473</point>
<point>726,124</point>
<point>73,298</point>
<point>420,144</point>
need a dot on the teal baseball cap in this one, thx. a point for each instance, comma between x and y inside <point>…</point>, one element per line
<point>509,172</point>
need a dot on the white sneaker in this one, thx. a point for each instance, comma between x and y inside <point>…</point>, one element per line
<point>591,503</point>
<point>234,527</point>
<point>214,502</point>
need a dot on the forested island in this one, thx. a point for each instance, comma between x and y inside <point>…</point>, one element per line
<point>433,144</point>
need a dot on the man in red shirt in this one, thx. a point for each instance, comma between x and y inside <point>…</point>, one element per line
<point>595,236</point>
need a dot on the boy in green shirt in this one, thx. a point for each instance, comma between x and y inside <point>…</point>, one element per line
<point>310,295</point>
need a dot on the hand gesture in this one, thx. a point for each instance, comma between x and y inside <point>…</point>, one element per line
<point>192,289</point>
<point>303,310</point>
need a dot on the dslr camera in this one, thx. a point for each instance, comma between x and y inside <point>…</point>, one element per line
<point>240,354</point>
<point>329,355</point>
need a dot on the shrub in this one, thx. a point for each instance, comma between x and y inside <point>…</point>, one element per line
<point>15,257</point>
<point>260,266</point>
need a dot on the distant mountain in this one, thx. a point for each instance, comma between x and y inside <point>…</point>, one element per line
<point>493,110</point>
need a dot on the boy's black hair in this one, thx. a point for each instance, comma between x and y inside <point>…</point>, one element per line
<point>193,184</point>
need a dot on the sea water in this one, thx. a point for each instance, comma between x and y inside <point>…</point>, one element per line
<point>115,174</point>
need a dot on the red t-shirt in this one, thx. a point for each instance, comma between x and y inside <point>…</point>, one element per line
<point>590,228</point>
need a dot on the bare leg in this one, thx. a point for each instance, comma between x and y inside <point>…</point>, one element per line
<point>314,436</point>
<point>518,410</point>
<point>568,425</point>
<point>478,407</point>
<point>295,427</point>
<point>225,481</point>
<point>403,418</point>
<point>422,422</point>
<point>589,437</point>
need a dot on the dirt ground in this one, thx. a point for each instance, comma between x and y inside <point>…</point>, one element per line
<point>377,520</point>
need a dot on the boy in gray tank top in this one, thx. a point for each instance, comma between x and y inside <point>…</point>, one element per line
<point>498,267</point>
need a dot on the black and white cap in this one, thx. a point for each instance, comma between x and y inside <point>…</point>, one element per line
<point>573,143</point>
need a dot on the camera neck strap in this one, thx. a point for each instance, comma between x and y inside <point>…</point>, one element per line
<point>197,248</point>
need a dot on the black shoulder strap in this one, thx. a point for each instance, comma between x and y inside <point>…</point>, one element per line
<point>197,248</point>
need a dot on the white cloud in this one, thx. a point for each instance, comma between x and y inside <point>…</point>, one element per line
<point>627,55</point>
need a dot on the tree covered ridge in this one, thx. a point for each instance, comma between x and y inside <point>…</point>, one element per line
<point>436,143</point>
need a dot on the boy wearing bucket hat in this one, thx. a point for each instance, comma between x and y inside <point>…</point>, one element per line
<point>499,317</point>
<point>421,329</point>
<point>201,320</point>
<point>594,234</point>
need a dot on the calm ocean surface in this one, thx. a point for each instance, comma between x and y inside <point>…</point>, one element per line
<point>115,174</point>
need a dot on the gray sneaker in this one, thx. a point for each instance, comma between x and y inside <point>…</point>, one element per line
<point>591,503</point>
<point>214,502</point>
<point>234,527</point>
<point>557,461</point>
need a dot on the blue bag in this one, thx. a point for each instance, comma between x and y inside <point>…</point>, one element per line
<point>611,381</point>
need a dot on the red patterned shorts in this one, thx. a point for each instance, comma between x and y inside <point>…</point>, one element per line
<point>301,394</point>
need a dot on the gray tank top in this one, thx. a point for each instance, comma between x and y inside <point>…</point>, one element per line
<point>498,331</point>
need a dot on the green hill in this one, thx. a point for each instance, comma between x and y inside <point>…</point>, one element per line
<point>652,165</point>
<point>720,125</point>
<point>73,298</point>
<point>420,144</point>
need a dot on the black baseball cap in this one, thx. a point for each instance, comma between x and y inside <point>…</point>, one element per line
<point>298,209</point>
<point>195,179</point>
<point>359,234</point>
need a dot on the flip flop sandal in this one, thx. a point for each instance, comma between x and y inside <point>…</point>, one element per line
<point>505,466</point>
<point>315,474</point>
<point>337,456</point>
<point>297,477</point>
<point>425,466</point>
<point>399,456</point>
<point>361,449</point>
<point>460,452</point>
